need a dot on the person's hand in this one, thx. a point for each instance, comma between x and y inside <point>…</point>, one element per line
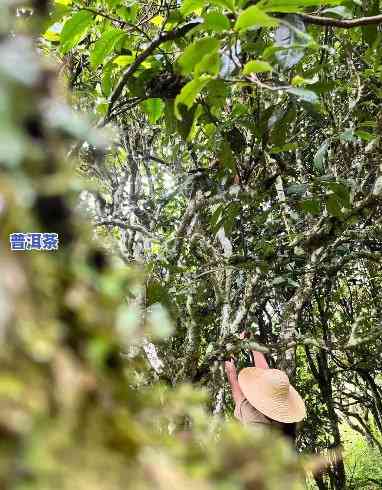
<point>244,335</point>
<point>230,368</point>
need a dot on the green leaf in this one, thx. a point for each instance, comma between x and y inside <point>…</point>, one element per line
<point>194,126</point>
<point>293,283</point>
<point>281,149</point>
<point>296,189</point>
<point>113,3</point>
<point>189,93</point>
<point>230,214</point>
<point>370,33</point>
<point>107,80</point>
<point>311,206</point>
<point>333,205</point>
<point>341,191</point>
<point>364,135</point>
<point>228,4</point>
<point>307,95</point>
<point>153,108</point>
<point>348,135</point>
<point>226,156</point>
<point>157,293</point>
<point>280,120</point>
<point>215,218</point>
<point>124,59</point>
<point>322,87</point>
<point>104,46</point>
<point>75,30</point>
<point>218,91</point>
<point>239,110</point>
<point>256,66</point>
<point>291,38</point>
<point>185,125</point>
<point>129,14</point>
<point>291,6</point>
<point>215,21</point>
<point>194,53</point>
<point>169,117</point>
<point>278,280</point>
<point>319,157</point>
<point>253,16</point>
<point>189,6</point>
<point>209,64</point>
<point>53,33</point>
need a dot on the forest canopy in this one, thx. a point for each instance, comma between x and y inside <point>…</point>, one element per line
<point>210,167</point>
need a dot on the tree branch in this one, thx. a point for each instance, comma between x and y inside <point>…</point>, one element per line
<point>343,23</point>
<point>125,225</point>
<point>160,39</point>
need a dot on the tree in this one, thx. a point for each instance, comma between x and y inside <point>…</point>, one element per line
<point>245,177</point>
<point>74,413</point>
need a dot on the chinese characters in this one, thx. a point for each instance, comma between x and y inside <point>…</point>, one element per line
<point>34,241</point>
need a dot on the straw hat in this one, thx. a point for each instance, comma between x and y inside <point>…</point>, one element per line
<point>269,391</point>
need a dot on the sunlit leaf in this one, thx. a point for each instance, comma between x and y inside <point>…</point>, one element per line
<point>253,17</point>
<point>194,53</point>
<point>104,46</point>
<point>51,35</point>
<point>209,64</point>
<point>364,135</point>
<point>107,81</point>
<point>228,4</point>
<point>189,92</point>
<point>157,20</point>
<point>75,29</point>
<point>216,21</point>
<point>189,6</point>
<point>256,66</point>
<point>123,60</point>
<point>153,108</point>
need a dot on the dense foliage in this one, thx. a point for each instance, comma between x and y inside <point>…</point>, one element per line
<point>71,415</point>
<point>243,178</point>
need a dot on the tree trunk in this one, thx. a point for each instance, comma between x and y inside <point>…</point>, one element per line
<point>325,382</point>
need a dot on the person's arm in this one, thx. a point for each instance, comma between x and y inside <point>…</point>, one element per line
<point>230,370</point>
<point>258,357</point>
<point>259,360</point>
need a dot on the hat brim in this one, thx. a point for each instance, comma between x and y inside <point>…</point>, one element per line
<point>253,385</point>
